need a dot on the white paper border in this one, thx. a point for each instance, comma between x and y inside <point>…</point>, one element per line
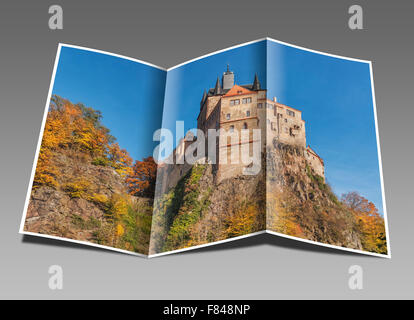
<point>39,142</point>
<point>21,230</point>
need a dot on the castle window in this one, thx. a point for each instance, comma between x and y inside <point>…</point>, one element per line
<point>248,113</point>
<point>247,100</point>
<point>285,120</point>
<point>234,102</point>
<point>231,128</point>
<point>245,125</point>
<point>239,91</point>
<point>273,126</point>
<point>290,113</point>
<point>260,105</point>
<point>228,116</point>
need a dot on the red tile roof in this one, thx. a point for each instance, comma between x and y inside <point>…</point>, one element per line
<point>237,90</point>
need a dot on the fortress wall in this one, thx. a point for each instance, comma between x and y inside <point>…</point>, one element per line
<point>211,104</point>
<point>316,163</point>
<point>276,121</point>
<point>226,171</point>
<point>238,111</point>
<point>291,127</point>
<point>172,174</point>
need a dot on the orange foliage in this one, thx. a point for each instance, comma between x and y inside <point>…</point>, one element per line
<point>242,222</point>
<point>142,180</point>
<point>370,222</point>
<point>120,159</point>
<point>77,128</point>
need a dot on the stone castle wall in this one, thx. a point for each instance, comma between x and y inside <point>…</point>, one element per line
<point>248,110</point>
<point>315,162</point>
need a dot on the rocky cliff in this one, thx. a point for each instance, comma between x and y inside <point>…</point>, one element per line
<point>301,204</point>
<point>286,197</point>
<point>198,210</point>
<point>88,203</point>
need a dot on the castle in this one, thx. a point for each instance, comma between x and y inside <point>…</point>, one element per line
<point>234,107</point>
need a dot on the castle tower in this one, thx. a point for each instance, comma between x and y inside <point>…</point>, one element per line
<point>228,79</point>
<point>234,108</point>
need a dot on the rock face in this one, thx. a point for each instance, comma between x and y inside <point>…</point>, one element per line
<point>226,199</point>
<point>198,210</point>
<point>287,197</point>
<point>73,208</point>
<point>301,204</point>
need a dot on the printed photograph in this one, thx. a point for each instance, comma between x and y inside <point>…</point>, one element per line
<point>261,137</point>
<point>323,166</point>
<point>95,175</point>
<point>318,176</point>
<point>219,196</point>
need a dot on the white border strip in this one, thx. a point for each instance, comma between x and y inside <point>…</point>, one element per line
<point>318,52</point>
<point>39,142</point>
<point>111,54</point>
<point>86,243</point>
<point>207,244</point>
<point>21,231</point>
<point>272,40</point>
<point>329,245</point>
<point>216,52</point>
<point>384,205</point>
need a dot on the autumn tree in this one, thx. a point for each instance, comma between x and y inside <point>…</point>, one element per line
<point>244,220</point>
<point>142,180</point>
<point>78,129</point>
<point>119,159</point>
<point>369,221</point>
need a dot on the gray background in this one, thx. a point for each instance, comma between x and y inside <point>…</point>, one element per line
<point>167,33</point>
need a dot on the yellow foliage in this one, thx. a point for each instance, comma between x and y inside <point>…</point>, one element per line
<point>78,189</point>
<point>280,219</point>
<point>99,198</point>
<point>76,128</point>
<point>242,221</point>
<point>118,205</point>
<point>45,172</point>
<point>119,230</point>
<point>120,160</point>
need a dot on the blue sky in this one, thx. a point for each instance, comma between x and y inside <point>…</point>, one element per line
<point>334,96</point>
<point>186,84</point>
<point>129,94</point>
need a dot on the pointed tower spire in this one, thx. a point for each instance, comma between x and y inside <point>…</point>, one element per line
<point>204,96</point>
<point>256,83</point>
<point>203,99</point>
<point>217,88</point>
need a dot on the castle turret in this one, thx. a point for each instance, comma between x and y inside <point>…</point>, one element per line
<point>203,99</point>
<point>228,79</point>
<point>256,83</point>
<point>217,88</point>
